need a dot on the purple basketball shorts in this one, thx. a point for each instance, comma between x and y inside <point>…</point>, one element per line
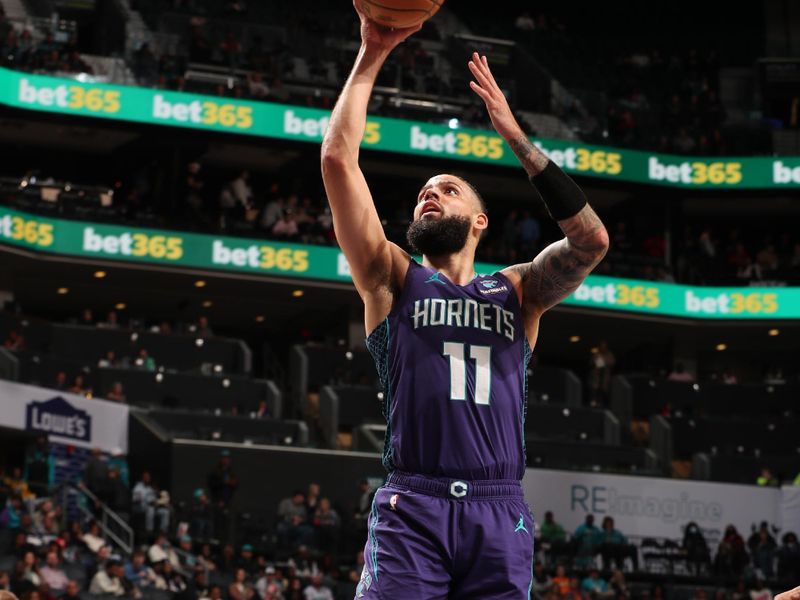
<point>432,538</point>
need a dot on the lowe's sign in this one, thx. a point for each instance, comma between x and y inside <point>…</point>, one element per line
<point>64,418</point>
<point>59,417</point>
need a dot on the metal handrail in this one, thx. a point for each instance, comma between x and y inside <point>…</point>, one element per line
<point>125,539</point>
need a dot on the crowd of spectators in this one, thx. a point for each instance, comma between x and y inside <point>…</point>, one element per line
<point>28,49</point>
<point>311,549</point>
<point>730,253</point>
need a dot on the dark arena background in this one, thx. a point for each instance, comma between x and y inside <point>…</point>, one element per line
<point>187,406</point>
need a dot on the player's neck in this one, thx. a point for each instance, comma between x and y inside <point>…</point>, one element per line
<point>458,268</point>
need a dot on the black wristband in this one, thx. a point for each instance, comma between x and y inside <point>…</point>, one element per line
<point>560,194</point>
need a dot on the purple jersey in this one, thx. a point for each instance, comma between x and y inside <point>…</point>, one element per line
<point>453,360</point>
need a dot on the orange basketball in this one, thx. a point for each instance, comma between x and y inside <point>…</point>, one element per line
<point>399,13</point>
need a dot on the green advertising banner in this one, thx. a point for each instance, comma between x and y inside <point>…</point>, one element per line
<point>180,109</point>
<point>267,257</point>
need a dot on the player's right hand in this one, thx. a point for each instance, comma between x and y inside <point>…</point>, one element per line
<point>379,36</point>
<point>789,595</point>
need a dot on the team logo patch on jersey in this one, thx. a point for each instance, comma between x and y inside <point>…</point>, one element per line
<point>492,286</point>
<point>393,501</point>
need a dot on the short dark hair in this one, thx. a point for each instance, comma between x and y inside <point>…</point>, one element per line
<point>481,201</point>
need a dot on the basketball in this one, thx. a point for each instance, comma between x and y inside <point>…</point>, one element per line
<point>400,13</point>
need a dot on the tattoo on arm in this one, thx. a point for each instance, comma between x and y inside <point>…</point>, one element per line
<point>561,267</point>
<point>533,160</point>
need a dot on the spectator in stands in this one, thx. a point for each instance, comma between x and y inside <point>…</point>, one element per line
<point>767,479</point>
<point>312,498</point>
<point>731,554</point>
<point>315,590</point>
<point>256,87</point>
<point>553,537</point>
<point>525,22</point>
<point>93,537</point>
<point>273,212</point>
<point>15,341</point>
<point>188,560</point>
<point>602,361</point>
<point>161,550</point>
<point>79,386</point>
<point>619,586</point>
<point>95,474</point>
<point>202,518</point>
<point>222,481</point>
<point>246,560</point>
<point>116,393</point>
<point>268,586</point>
<point>214,593</point>
<point>695,548</point>
<point>293,528</point>
<point>226,562</point>
<point>561,582</point>
<point>327,523</point>
<point>145,509</point>
<point>679,373</point>
<point>763,548</point>
<point>286,226</point>
<point>202,329</point>
<point>86,318</point>
<point>729,377</point>
<point>145,361</point>
<point>138,573</point>
<point>614,546</point>
<point>109,360</point>
<point>541,582</point>
<point>596,586</point>
<point>174,581</point>
<point>240,588</point>
<point>242,192</point>
<point>40,467</point>
<point>60,382</point>
<point>575,590</point>
<point>11,513</point>
<point>585,541</point>
<point>789,558</point>
<point>262,412</point>
<point>195,190</point>
<point>71,592</point>
<point>108,580</point>
<point>111,322</point>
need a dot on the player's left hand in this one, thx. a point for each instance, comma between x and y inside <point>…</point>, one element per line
<point>496,104</point>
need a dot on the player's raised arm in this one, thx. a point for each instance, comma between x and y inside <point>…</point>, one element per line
<point>355,220</point>
<point>561,267</point>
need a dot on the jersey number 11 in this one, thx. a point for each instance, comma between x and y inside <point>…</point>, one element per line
<point>482,356</point>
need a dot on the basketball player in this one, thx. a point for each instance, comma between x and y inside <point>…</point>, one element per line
<point>451,349</point>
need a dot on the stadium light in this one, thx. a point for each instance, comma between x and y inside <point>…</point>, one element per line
<point>207,304</point>
<point>200,283</point>
<point>99,274</point>
<point>298,293</point>
<point>574,338</point>
<point>62,290</point>
<point>721,347</point>
<point>774,332</point>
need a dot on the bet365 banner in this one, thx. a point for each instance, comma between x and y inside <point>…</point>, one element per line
<point>179,109</point>
<point>271,258</point>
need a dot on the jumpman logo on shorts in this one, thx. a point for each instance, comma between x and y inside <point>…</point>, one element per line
<point>521,525</point>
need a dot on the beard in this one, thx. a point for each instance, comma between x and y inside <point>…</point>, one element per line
<point>438,237</point>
